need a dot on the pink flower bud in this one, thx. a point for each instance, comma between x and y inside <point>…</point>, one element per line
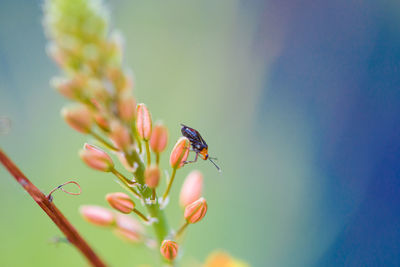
<point>122,81</point>
<point>126,107</point>
<point>102,122</point>
<point>97,215</point>
<point>120,136</point>
<point>78,117</point>
<point>159,138</point>
<point>56,54</point>
<point>196,211</point>
<point>143,122</point>
<point>192,188</point>
<point>128,228</point>
<point>179,153</point>
<point>152,176</point>
<point>96,158</point>
<point>121,202</point>
<point>169,249</point>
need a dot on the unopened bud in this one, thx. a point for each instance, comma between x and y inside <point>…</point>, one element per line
<point>152,176</point>
<point>96,158</point>
<point>116,45</point>
<point>121,80</point>
<point>159,138</point>
<point>143,122</point>
<point>196,211</point>
<point>121,202</point>
<point>78,117</point>
<point>120,136</point>
<point>97,215</point>
<point>126,107</point>
<point>54,52</point>
<point>128,228</point>
<point>223,259</point>
<point>102,122</point>
<point>192,188</point>
<point>169,249</point>
<point>70,88</point>
<point>179,153</point>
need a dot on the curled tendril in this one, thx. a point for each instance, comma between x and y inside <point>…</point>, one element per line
<point>50,197</point>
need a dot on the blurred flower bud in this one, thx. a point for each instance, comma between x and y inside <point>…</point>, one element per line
<point>128,228</point>
<point>179,153</point>
<point>102,122</point>
<point>95,89</point>
<point>78,117</point>
<point>159,138</point>
<point>96,158</point>
<point>169,249</point>
<point>192,188</point>
<point>121,81</point>
<point>143,122</point>
<point>65,87</point>
<point>121,202</point>
<point>223,259</point>
<point>126,107</point>
<point>120,136</point>
<point>116,46</point>
<point>97,215</point>
<point>196,211</point>
<point>55,53</point>
<point>152,176</point>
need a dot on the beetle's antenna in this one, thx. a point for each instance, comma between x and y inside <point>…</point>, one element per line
<point>218,168</point>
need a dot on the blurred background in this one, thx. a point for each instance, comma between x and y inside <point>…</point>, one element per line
<point>299,100</point>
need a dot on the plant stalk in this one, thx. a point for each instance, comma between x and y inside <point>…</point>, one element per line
<point>52,211</point>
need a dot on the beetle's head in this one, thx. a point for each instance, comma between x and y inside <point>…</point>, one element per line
<point>204,153</point>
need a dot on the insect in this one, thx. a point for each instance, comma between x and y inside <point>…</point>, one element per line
<point>198,145</point>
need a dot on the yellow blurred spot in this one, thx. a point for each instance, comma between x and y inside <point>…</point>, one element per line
<point>223,259</point>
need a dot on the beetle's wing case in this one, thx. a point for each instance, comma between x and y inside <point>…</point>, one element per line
<point>191,134</point>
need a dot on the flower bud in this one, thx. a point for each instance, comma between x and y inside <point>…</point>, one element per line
<point>126,107</point>
<point>64,86</point>
<point>196,211</point>
<point>128,228</point>
<point>102,122</point>
<point>169,249</point>
<point>159,138</point>
<point>121,202</point>
<point>97,215</point>
<point>152,176</point>
<point>192,188</point>
<point>55,53</point>
<point>121,80</point>
<point>96,158</point>
<point>223,259</point>
<point>143,122</point>
<point>120,136</point>
<point>179,153</point>
<point>78,117</point>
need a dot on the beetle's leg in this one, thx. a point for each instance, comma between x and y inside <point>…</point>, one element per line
<point>192,161</point>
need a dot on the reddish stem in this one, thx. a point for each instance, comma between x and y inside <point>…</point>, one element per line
<point>51,210</point>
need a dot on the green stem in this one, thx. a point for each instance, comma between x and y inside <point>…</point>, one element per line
<point>169,184</point>
<point>103,141</point>
<point>157,158</point>
<point>160,226</point>
<point>141,215</point>
<point>128,183</point>
<point>136,135</point>
<point>183,227</point>
<point>147,152</point>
